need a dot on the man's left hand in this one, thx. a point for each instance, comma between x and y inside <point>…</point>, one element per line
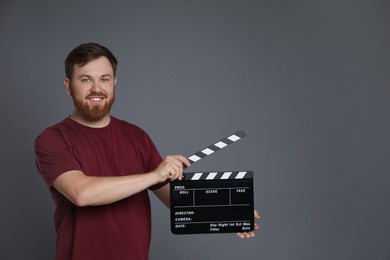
<point>252,233</point>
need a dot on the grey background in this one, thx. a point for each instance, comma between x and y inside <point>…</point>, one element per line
<point>307,80</point>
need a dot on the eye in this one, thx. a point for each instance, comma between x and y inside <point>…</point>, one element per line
<point>105,80</point>
<point>86,80</point>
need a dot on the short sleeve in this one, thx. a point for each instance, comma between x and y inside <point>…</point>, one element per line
<point>52,156</point>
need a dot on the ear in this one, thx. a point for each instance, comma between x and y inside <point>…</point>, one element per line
<point>68,86</point>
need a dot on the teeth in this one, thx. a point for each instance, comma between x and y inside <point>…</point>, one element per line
<point>96,99</point>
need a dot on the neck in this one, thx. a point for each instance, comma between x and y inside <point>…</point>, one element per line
<point>98,124</point>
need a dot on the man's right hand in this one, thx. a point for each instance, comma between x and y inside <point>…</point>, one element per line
<point>172,167</point>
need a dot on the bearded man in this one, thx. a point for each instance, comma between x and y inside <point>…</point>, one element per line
<point>99,168</point>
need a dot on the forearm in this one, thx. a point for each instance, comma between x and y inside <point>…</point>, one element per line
<point>92,191</point>
<point>163,194</point>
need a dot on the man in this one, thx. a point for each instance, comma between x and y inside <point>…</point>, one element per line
<point>98,168</point>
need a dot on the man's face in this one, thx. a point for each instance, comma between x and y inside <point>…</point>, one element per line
<point>92,88</point>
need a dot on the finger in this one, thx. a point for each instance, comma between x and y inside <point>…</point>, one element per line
<point>171,165</point>
<point>175,172</point>
<point>251,235</point>
<point>256,214</point>
<point>183,160</point>
<point>246,235</point>
<point>181,176</point>
<point>175,162</point>
<point>257,227</point>
<point>240,235</point>
<point>180,163</point>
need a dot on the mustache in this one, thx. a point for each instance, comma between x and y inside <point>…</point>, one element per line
<point>96,94</point>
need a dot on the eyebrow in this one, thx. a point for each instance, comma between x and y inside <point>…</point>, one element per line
<point>89,76</point>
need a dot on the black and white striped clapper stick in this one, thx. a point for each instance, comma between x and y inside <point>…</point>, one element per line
<point>217,146</point>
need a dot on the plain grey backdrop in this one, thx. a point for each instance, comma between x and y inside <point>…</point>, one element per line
<point>307,80</point>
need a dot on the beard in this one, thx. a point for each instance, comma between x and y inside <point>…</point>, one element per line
<point>93,113</point>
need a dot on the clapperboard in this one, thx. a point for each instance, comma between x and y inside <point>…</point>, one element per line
<point>213,202</point>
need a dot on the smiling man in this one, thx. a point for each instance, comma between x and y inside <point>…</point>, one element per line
<point>98,168</point>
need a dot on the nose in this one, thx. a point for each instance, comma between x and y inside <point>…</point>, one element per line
<point>95,87</point>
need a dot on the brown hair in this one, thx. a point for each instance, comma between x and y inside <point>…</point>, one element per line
<point>85,53</point>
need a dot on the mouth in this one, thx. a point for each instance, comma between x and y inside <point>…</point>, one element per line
<point>95,99</point>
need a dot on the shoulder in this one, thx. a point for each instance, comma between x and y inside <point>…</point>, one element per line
<point>52,130</point>
<point>51,133</point>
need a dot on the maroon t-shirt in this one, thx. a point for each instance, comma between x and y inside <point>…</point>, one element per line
<point>121,230</point>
